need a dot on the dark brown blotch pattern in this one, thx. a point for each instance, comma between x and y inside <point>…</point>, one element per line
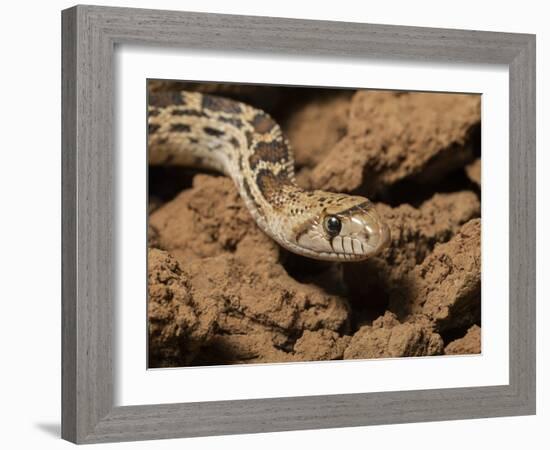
<point>162,99</point>
<point>153,128</point>
<point>234,121</point>
<point>220,104</point>
<point>180,128</point>
<point>274,151</point>
<point>272,187</point>
<point>188,112</point>
<point>213,132</point>
<point>262,123</point>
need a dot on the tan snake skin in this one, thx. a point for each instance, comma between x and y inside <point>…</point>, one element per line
<point>246,144</point>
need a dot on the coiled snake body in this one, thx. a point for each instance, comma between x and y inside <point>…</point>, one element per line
<point>246,144</point>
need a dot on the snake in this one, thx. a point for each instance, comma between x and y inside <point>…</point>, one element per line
<point>211,132</point>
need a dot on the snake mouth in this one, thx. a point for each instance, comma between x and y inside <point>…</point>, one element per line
<point>355,250</point>
<point>361,234</point>
<point>374,238</point>
<point>349,249</point>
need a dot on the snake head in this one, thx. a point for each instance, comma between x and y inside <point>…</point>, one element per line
<point>343,228</point>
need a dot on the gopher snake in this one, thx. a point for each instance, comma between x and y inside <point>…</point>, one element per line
<point>246,144</point>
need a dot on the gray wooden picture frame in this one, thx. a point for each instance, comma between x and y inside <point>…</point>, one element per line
<point>90,34</point>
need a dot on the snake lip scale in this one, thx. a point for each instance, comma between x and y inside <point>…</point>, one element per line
<point>246,144</point>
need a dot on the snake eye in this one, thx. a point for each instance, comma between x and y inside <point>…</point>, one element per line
<point>332,225</point>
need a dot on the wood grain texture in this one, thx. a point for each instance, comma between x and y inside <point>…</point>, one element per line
<point>523,225</point>
<point>68,225</point>
<point>89,267</point>
<point>88,210</point>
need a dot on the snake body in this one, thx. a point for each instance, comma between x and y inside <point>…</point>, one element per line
<point>246,144</point>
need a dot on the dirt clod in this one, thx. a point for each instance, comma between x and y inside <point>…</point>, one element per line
<point>387,338</point>
<point>446,287</point>
<point>467,345</point>
<point>394,136</point>
<point>178,325</point>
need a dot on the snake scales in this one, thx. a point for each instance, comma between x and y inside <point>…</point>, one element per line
<point>245,143</point>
